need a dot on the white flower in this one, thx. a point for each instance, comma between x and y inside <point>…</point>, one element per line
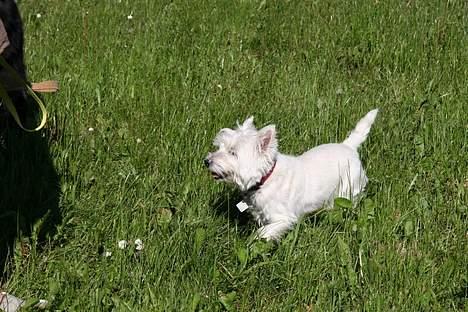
<point>42,304</point>
<point>139,244</point>
<point>139,141</point>
<point>130,17</point>
<point>90,129</point>
<point>38,15</point>
<point>123,244</point>
<point>107,254</point>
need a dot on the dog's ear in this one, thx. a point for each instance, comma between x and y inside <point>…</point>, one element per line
<point>267,138</point>
<point>222,136</point>
<point>248,123</point>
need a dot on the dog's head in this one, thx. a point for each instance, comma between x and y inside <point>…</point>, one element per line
<point>244,154</point>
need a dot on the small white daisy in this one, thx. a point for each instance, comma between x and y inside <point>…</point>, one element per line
<point>107,254</point>
<point>129,17</point>
<point>139,141</point>
<point>38,15</point>
<point>139,244</point>
<point>123,244</point>
<point>90,129</point>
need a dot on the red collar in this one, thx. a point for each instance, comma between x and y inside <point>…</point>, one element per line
<point>266,176</point>
<point>262,180</point>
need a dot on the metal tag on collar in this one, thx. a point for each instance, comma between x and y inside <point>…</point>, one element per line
<point>242,206</point>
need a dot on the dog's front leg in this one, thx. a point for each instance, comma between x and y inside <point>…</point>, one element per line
<point>273,231</point>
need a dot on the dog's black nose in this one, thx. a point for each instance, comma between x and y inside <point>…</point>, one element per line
<point>207,162</point>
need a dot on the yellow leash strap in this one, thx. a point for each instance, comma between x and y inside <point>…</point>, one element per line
<point>9,103</point>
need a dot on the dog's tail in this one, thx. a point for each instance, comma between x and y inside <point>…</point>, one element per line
<point>359,134</point>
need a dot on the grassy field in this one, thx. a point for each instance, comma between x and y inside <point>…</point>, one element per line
<point>145,86</point>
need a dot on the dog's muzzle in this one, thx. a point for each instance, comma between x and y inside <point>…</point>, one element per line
<point>217,176</point>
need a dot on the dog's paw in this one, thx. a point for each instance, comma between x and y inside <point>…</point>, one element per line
<point>263,233</point>
<point>272,231</point>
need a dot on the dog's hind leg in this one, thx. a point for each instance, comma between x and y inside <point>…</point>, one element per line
<point>352,181</point>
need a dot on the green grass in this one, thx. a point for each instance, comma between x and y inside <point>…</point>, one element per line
<point>172,77</point>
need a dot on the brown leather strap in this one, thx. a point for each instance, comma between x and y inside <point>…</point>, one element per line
<point>45,86</point>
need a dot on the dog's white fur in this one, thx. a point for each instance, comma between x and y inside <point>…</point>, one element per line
<point>297,185</point>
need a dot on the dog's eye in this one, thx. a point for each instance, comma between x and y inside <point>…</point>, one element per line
<point>232,152</point>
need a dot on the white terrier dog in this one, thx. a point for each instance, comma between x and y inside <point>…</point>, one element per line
<point>278,189</point>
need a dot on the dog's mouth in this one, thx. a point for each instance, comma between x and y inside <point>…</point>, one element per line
<point>217,176</point>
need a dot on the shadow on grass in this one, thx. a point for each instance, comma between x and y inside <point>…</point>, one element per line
<point>224,205</point>
<point>29,189</point>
